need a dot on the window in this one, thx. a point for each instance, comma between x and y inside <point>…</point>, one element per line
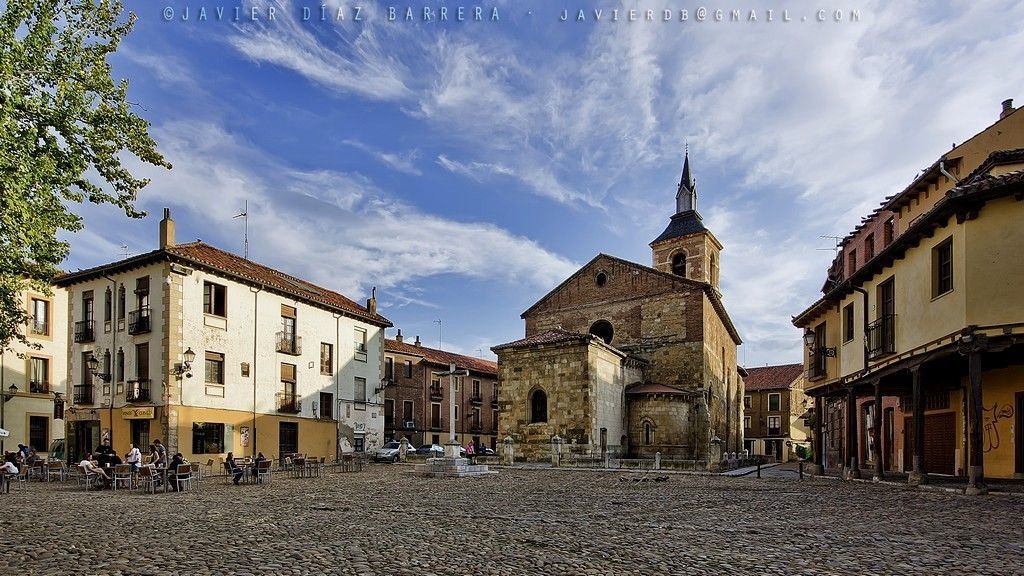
<point>603,330</point>
<point>140,433</point>
<point>360,394</point>
<point>494,420</point>
<point>407,406</point>
<point>326,358</point>
<point>747,402</point>
<point>327,405</point>
<point>774,425</point>
<point>389,368</point>
<point>679,264</point>
<point>746,422</point>
<point>714,271</point>
<point>39,432</point>
<point>40,317</point>
<point>39,375</point>
<point>869,247</point>
<point>142,293</point>
<point>435,416</point>
<point>142,361</point>
<point>818,358</point>
<point>215,299</point>
<point>648,433</point>
<point>87,304</point>
<point>851,259</point>
<point>120,365</point>
<point>601,279</point>
<point>848,322</point>
<point>942,268</point>
<point>207,438</point>
<point>121,306</point>
<point>774,402</point>
<point>476,389</point>
<point>475,423</point>
<point>214,368</point>
<point>288,438</point>
<point>538,407</point>
<point>389,413</point>
<point>359,344</point>
<point>108,304</point>
<point>286,339</point>
<point>889,231</point>
<point>408,368</point>
<point>456,413</point>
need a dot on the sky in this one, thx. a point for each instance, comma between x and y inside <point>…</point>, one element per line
<point>465,168</point>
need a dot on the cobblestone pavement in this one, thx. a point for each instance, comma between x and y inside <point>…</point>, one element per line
<point>386,521</point>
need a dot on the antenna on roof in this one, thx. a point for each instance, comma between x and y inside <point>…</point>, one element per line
<point>438,322</point>
<point>124,250</point>
<point>245,217</point>
<point>838,240</point>
<point>479,352</point>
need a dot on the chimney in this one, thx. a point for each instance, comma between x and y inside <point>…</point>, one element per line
<point>1007,108</point>
<point>371,304</point>
<point>398,337</point>
<point>417,342</point>
<point>166,230</point>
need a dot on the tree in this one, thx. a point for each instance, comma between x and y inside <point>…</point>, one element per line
<point>64,128</point>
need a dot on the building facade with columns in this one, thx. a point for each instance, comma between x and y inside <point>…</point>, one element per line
<point>775,411</point>
<point>214,353</point>
<point>627,359</point>
<point>33,374</point>
<point>416,400</point>
<point>915,352</point>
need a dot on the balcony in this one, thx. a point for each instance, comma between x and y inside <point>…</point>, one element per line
<point>816,369</point>
<point>775,431</point>
<point>288,343</point>
<point>39,387</point>
<point>288,403</point>
<point>85,331</point>
<point>38,328</point>
<point>138,391</point>
<point>435,393</point>
<point>138,321</point>
<point>83,394</point>
<point>881,335</point>
<point>476,427</point>
<point>476,400</point>
<point>409,424</point>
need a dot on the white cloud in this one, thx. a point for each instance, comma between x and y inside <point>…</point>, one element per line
<point>475,170</point>
<point>334,228</point>
<point>405,163</point>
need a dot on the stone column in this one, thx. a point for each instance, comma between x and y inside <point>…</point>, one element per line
<point>403,449</point>
<point>556,450</point>
<point>976,472</point>
<point>657,460</point>
<point>918,476</point>
<point>876,431</point>
<point>509,453</point>
<point>819,435</point>
<point>853,468</point>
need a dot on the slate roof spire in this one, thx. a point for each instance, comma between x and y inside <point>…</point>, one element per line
<point>686,195</point>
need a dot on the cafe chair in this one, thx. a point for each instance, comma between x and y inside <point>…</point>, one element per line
<point>263,471</point>
<point>183,477</point>
<point>147,479</point>
<point>123,475</point>
<point>55,469</point>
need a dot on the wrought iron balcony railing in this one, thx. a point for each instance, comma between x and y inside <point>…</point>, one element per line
<point>138,391</point>
<point>288,343</point>
<point>435,393</point>
<point>881,335</point>
<point>39,387</point>
<point>38,327</point>
<point>138,321</point>
<point>85,331</point>
<point>289,403</point>
<point>83,394</point>
<point>476,400</point>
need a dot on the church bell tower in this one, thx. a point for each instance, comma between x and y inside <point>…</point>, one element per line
<point>686,248</point>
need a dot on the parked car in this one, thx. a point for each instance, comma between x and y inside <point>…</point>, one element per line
<point>388,452</point>
<point>432,450</point>
<point>485,451</point>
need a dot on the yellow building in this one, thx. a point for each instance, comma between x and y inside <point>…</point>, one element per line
<point>33,376</point>
<point>915,353</point>
<point>213,353</point>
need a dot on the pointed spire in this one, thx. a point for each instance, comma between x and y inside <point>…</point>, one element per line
<point>686,195</point>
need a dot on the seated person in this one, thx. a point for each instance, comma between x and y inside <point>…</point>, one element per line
<point>113,459</point>
<point>256,464</point>
<point>8,467</point>
<point>87,466</point>
<point>177,460</point>
<point>232,468</point>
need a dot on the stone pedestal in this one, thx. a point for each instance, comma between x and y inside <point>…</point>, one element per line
<point>917,478</point>
<point>451,468</point>
<point>451,449</point>
<point>509,455</point>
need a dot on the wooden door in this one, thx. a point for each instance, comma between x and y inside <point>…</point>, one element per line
<point>939,443</point>
<point>888,438</point>
<point>1018,444</point>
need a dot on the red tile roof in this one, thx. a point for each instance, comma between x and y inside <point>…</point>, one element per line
<point>203,255</point>
<point>556,336</point>
<point>652,388</point>
<point>772,377</point>
<point>442,357</point>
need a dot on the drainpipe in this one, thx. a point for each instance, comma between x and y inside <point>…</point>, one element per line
<point>255,332</point>
<point>336,409</point>
<point>864,316</point>
<point>113,346</point>
<point>942,170</point>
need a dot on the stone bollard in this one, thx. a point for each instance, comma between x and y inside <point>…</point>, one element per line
<point>746,454</point>
<point>403,449</point>
<point>556,450</point>
<point>510,455</point>
<point>657,460</point>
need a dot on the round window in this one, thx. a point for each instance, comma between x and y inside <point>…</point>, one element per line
<point>603,330</point>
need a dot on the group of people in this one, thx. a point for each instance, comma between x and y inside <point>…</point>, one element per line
<point>473,450</point>
<point>15,461</point>
<point>106,457</point>
<point>237,471</point>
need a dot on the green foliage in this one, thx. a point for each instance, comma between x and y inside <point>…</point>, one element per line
<point>64,128</point>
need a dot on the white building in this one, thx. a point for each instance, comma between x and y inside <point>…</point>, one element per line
<point>213,353</point>
<point>32,376</point>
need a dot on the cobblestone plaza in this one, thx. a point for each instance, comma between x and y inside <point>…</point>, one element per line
<point>384,520</point>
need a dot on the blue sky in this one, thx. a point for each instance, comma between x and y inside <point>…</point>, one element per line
<point>466,168</point>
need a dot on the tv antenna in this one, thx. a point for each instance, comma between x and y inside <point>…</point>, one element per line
<point>836,240</point>
<point>245,217</point>
<point>124,250</point>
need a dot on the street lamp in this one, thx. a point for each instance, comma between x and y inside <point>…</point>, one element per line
<point>94,368</point>
<point>810,338</point>
<point>184,367</point>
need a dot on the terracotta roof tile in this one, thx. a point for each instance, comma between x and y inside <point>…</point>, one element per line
<point>652,388</point>
<point>556,336</point>
<point>772,377</point>
<point>442,357</point>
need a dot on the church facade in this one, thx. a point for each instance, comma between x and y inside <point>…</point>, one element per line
<point>630,360</point>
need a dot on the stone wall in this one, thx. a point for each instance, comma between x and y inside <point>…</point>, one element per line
<point>671,420</point>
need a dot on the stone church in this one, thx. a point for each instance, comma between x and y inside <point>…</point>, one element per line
<point>630,359</point>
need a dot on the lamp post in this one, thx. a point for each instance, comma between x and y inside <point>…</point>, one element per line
<point>811,338</point>
<point>7,395</point>
<point>183,368</point>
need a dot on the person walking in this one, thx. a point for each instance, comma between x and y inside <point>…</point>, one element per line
<point>133,458</point>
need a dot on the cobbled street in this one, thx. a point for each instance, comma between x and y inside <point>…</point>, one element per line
<point>386,521</point>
